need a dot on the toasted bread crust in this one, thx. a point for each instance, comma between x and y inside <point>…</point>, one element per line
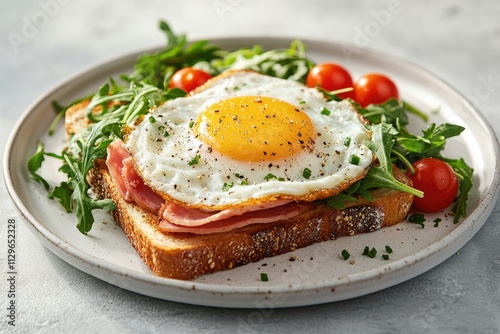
<point>186,256</point>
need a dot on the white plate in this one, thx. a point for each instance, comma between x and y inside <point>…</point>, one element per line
<point>318,274</point>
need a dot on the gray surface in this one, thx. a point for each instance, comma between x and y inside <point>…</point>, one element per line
<point>458,41</point>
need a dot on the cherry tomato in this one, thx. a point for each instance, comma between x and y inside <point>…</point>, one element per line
<point>188,78</point>
<point>374,88</point>
<point>330,76</point>
<point>438,182</point>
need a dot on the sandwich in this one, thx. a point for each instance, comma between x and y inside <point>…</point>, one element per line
<point>239,170</point>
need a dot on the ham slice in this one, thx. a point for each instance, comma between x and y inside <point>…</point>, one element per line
<point>133,189</point>
<point>184,216</point>
<point>264,216</point>
<point>129,184</point>
<point>139,192</point>
<point>116,154</point>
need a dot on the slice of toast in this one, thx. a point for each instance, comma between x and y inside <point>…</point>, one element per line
<point>186,256</point>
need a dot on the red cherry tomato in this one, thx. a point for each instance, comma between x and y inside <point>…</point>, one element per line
<point>438,182</point>
<point>374,88</point>
<point>331,77</point>
<point>188,78</point>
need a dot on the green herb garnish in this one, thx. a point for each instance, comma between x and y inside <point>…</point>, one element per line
<point>264,277</point>
<point>306,173</point>
<point>345,254</point>
<point>417,218</point>
<point>269,176</point>
<point>354,159</point>
<point>195,160</point>
<point>339,201</point>
<point>227,186</point>
<point>371,253</point>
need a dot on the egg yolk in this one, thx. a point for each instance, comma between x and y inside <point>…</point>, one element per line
<point>254,128</point>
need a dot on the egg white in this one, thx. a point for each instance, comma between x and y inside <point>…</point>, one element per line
<point>165,149</point>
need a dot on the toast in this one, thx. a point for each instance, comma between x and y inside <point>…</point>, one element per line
<point>186,256</point>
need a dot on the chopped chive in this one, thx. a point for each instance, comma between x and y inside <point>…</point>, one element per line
<point>355,159</point>
<point>388,249</point>
<point>325,112</point>
<point>306,173</point>
<point>417,218</point>
<point>166,134</point>
<point>281,179</point>
<point>263,277</point>
<point>244,183</point>
<point>191,124</point>
<point>371,253</point>
<point>269,176</point>
<point>385,257</point>
<point>195,160</point>
<point>345,254</point>
<point>436,222</point>
<point>152,119</point>
<point>347,141</point>
<point>302,102</point>
<point>227,186</point>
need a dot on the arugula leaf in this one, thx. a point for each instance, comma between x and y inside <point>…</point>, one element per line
<point>338,201</point>
<point>464,174</point>
<point>34,164</point>
<point>392,111</point>
<point>83,202</point>
<point>381,176</point>
<point>156,68</point>
<point>63,193</point>
<point>61,112</point>
<point>430,144</point>
<point>93,148</point>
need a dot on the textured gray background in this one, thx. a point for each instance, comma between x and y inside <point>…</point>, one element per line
<point>459,41</point>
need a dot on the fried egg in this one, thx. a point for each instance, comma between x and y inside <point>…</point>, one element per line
<point>245,138</point>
